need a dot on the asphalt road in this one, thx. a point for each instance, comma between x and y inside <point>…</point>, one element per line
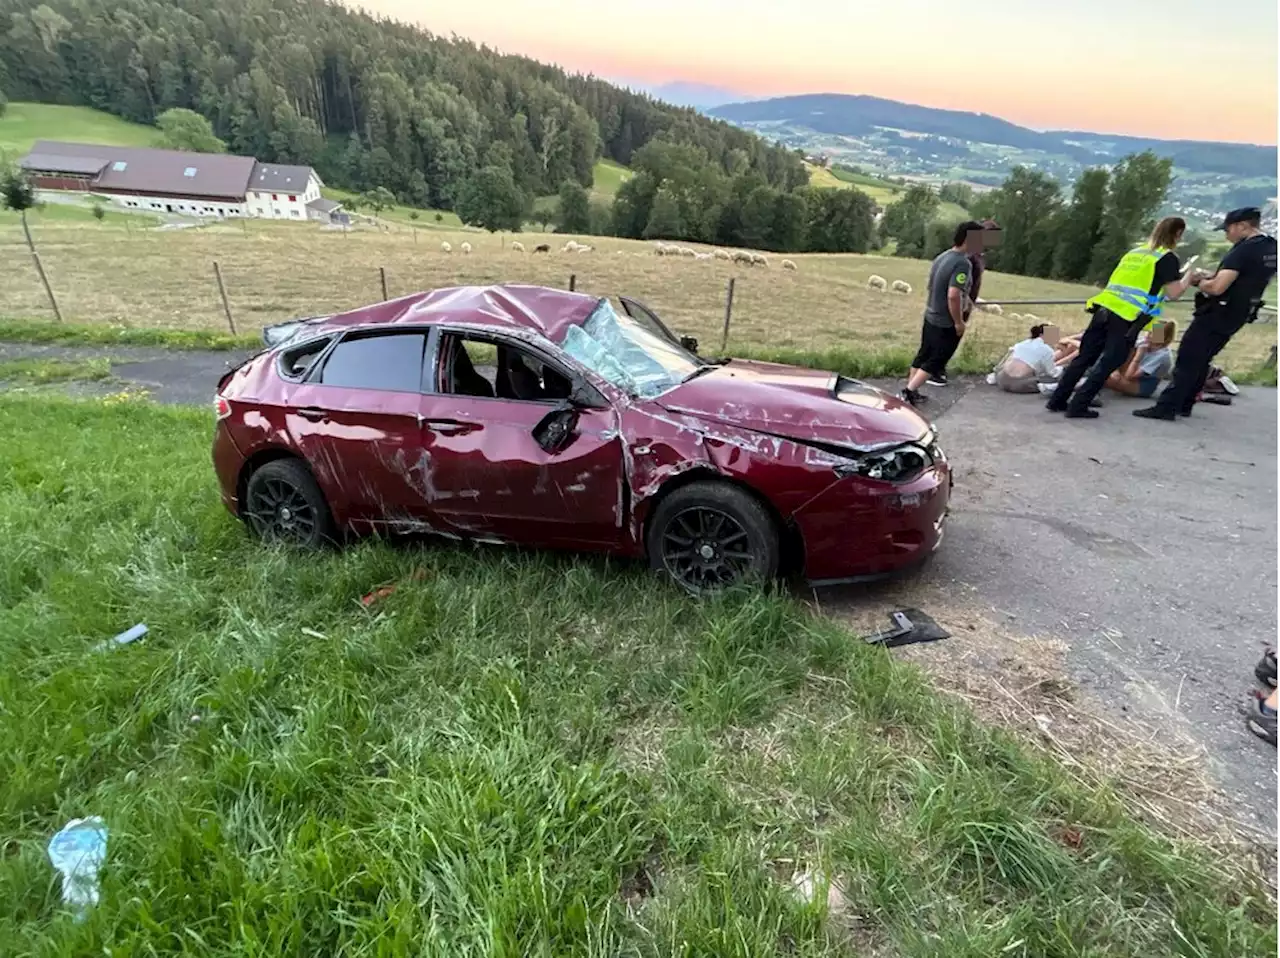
<point>1147,548</point>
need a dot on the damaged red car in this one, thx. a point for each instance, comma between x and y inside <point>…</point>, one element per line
<point>521,414</point>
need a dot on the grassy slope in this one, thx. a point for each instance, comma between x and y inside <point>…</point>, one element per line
<point>401,214</point>
<point>277,271</point>
<point>512,754</point>
<point>24,123</point>
<point>607,177</point>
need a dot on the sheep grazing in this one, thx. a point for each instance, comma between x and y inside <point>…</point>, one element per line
<point>788,264</point>
<point>877,283</point>
<point>687,253</point>
<point>465,247</point>
<point>995,309</point>
<point>759,259</point>
<point>900,287</point>
<point>702,256</point>
<point>1032,318</point>
<point>1017,317</point>
<point>741,256</point>
<point>542,248</point>
<point>570,247</point>
<point>584,249</point>
<point>517,246</point>
<point>722,254</point>
<point>446,248</point>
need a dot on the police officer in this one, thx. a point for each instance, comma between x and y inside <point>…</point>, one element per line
<point>1134,296</point>
<point>1225,302</point>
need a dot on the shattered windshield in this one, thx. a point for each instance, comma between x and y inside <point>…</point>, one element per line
<point>626,354</point>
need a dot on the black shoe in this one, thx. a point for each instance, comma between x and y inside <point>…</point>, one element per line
<point>1154,412</point>
<point>1265,670</point>
<point>937,380</point>
<point>1085,413</point>
<point>1262,721</point>
<point>913,397</point>
<point>1055,407</point>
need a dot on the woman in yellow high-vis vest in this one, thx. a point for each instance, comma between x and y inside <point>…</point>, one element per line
<point>1140,284</point>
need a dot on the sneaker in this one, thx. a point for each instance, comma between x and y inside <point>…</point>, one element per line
<point>1155,412</point>
<point>1265,670</point>
<point>1230,388</point>
<point>1047,389</point>
<point>991,379</point>
<point>1262,720</point>
<point>937,380</point>
<point>912,396</point>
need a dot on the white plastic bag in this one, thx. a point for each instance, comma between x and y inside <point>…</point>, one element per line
<point>77,851</point>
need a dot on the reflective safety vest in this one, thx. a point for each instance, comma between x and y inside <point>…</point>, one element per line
<point>1127,293</point>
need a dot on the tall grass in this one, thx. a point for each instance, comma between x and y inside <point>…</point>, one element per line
<point>512,754</point>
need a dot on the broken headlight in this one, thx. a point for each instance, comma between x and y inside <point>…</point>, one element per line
<point>890,465</point>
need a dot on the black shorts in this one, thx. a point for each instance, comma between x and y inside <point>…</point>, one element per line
<point>937,345</point>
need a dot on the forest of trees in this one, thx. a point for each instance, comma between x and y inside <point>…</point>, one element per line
<point>394,113</point>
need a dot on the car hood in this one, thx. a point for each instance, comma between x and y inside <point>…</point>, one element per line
<point>800,404</point>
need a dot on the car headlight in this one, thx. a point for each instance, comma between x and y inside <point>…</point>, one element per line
<point>891,465</point>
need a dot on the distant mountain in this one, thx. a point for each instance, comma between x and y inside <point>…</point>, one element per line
<point>855,116</point>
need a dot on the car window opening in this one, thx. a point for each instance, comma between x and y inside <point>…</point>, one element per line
<point>477,367</point>
<point>297,362</point>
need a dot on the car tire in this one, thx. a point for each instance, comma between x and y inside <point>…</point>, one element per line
<point>712,535</point>
<point>283,504</point>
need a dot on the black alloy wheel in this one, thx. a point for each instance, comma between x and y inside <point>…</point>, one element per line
<point>711,535</point>
<point>283,504</point>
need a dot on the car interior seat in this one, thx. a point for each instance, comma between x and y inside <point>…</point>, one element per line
<point>466,381</point>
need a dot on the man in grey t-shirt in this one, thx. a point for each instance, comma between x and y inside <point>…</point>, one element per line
<point>947,303</point>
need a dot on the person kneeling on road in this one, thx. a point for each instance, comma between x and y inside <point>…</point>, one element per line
<point>946,305</point>
<point>1134,295</point>
<point>1029,364</point>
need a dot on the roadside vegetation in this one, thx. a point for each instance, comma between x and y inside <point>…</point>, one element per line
<point>509,754</point>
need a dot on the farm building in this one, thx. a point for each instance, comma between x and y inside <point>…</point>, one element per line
<point>171,181</point>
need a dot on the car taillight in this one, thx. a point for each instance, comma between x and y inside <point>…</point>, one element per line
<point>221,408</point>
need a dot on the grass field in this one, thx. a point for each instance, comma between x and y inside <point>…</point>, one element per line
<point>512,754</point>
<point>402,214</point>
<point>65,214</point>
<point>24,123</point>
<point>277,271</point>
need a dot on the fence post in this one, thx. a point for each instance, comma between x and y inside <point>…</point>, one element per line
<point>222,291</point>
<point>382,272</point>
<point>728,315</point>
<point>47,288</point>
<point>1271,359</point>
<point>573,282</point>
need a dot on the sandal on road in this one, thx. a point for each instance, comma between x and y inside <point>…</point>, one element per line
<point>1261,720</point>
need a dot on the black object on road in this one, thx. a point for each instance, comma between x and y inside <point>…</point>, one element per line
<point>909,627</point>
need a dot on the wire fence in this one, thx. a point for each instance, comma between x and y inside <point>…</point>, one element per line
<point>237,280</point>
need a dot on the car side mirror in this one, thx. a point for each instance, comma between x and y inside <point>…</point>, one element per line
<point>558,428</point>
<point>690,343</point>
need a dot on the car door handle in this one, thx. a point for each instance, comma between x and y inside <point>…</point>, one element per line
<point>449,427</point>
<point>312,413</point>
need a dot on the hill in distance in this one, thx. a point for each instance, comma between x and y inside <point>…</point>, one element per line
<point>845,115</point>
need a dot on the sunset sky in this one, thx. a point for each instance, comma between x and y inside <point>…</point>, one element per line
<point>1035,63</point>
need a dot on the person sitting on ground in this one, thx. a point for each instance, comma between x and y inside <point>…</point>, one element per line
<point>1261,711</point>
<point>1151,362</point>
<point>1066,349</point>
<point>1029,363</point>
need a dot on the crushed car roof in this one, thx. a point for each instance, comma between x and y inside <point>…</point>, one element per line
<point>538,308</point>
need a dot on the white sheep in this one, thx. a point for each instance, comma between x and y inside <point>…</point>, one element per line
<point>569,247</point>
<point>900,287</point>
<point>445,247</point>
<point>517,246</point>
<point>1032,318</point>
<point>1016,317</point>
<point>585,249</point>
<point>687,253</point>
<point>759,259</point>
<point>742,256</point>
<point>702,256</point>
<point>877,283</point>
<point>465,247</point>
<point>663,249</point>
<point>788,264</point>
<point>995,309</point>
<point>722,254</point>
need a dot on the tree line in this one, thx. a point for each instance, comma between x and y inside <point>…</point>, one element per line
<point>369,102</point>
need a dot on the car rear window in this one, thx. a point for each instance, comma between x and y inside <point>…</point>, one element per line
<point>391,361</point>
<point>296,361</point>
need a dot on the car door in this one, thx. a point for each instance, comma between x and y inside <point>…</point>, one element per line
<point>491,477</point>
<point>356,420</point>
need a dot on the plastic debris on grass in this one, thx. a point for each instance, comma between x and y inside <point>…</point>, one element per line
<point>77,851</point>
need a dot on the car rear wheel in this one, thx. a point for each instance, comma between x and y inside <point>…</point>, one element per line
<point>712,535</point>
<point>283,504</point>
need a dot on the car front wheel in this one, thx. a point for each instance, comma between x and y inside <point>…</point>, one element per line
<point>284,504</point>
<point>712,535</point>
